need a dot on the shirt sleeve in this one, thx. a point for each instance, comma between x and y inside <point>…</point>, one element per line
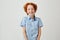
<point>40,24</point>
<point>23,22</point>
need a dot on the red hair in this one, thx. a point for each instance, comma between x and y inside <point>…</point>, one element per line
<point>33,4</point>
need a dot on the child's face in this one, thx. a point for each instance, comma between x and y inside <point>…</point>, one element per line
<point>30,10</point>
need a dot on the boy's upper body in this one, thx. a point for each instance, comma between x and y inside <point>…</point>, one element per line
<point>31,26</point>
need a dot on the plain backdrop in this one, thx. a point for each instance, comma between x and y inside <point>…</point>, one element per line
<point>11,14</point>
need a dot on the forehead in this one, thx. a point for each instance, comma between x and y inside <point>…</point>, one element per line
<point>30,6</point>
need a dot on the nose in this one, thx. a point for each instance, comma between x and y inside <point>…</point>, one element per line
<point>30,10</point>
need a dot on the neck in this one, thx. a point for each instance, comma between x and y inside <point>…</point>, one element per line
<point>32,17</point>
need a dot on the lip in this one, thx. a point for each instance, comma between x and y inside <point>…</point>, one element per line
<point>31,12</point>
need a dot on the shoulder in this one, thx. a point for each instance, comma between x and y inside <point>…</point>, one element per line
<point>38,18</point>
<point>24,18</point>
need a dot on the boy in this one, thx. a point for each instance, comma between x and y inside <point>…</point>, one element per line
<point>31,24</point>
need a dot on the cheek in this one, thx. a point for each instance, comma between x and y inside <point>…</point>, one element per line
<point>27,11</point>
<point>33,11</point>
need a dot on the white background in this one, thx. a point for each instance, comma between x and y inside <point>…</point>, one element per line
<point>11,14</point>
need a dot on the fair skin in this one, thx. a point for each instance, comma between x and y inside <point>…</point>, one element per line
<point>39,34</point>
<point>31,13</point>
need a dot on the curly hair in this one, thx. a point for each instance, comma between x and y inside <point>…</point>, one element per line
<point>30,3</point>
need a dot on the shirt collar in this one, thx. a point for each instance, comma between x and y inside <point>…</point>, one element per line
<point>30,17</point>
